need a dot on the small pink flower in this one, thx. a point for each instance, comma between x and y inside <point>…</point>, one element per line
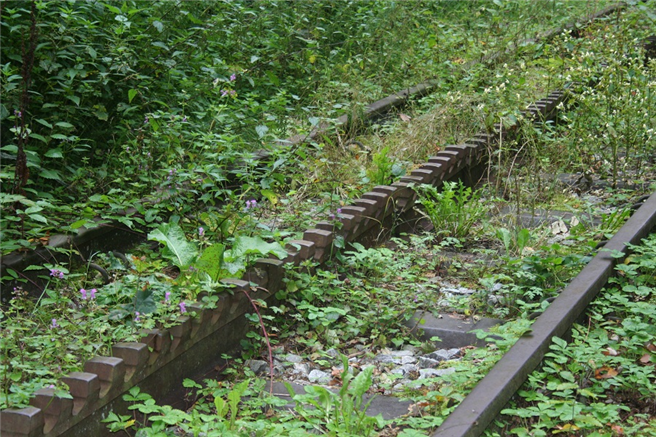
<point>233,77</point>
<point>83,292</point>
<point>183,307</point>
<point>54,324</point>
<point>201,231</point>
<point>136,316</point>
<point>167,296</point>
<point>93,292</point>
<point>56,273</point>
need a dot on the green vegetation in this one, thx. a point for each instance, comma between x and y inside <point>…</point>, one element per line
<point>150,114</point>
<point>601,383</point>
<point>105,103</point>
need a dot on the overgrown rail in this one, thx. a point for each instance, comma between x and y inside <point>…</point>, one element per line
<point>157,359</point>
<point>482,405</point>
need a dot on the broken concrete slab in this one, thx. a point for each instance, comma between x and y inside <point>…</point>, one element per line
<point>453,332</point>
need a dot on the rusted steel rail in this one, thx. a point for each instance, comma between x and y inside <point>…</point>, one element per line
<point>483,404</point>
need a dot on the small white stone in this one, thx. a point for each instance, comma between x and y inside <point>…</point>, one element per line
<point>293,358</point>
<point>319,376</point>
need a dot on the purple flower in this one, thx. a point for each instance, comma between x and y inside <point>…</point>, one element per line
<point>183,307</point>
<point>167,296</point>
<point>54,324</point>
<point>127,149</point>
<point>251,204</point>
<point>93,292</point>
<point>51,386</point>
<point>83,292</point>
<point>17,113</point>
<point>136,316</point>
<point>184,119</point>
<point>146,119</point>
<point>224,93</point>
<point>201,232</point>
<point>339,210</point>
<point>193,269</point>
<point>233,77</point>
<point>56,273</point>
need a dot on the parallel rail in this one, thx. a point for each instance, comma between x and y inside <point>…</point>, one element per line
<point>482,405</point>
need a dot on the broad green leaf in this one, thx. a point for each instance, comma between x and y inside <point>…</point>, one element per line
<point>114,9</point>
<point>177,248</point>
<point>154,124</point>
<point>11,198</point>
<point>39,137</point>
<point>64,124</point>
<point>504,235</point>
<point>144,302</point>
<point>161,45</point>
<point>50,174</point>
<point>244,245</point>
<point>211,261</point>
<point>261,130</point>
<point>33,209</point>
<point>522,238</point>
<point>74,99</point>
<point>43,122</point>
<point>100,112</point>
<point>362,382</point>
<point>221,407</point>
<point>78,224</point>
<point>38,218</point>
<point>131,94</point>
<point>54,153</point>
<point>235,268</point>
<point>270,195</point>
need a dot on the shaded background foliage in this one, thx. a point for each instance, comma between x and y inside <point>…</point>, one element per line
<point>100,68</point>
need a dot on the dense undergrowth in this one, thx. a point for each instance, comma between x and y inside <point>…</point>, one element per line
<point>152,99</point>
<point>104,103</point>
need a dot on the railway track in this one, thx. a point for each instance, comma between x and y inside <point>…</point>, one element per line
<point>98,390</point>
<point>488,398</point>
